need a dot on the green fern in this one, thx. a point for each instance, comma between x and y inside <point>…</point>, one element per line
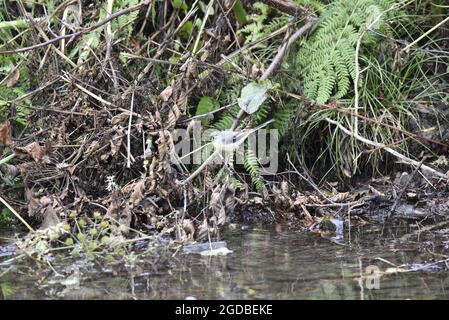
<point>224,123</point>
<point>262,114</point>
<point>313,4</point>
<point>326,63</point>
<point>251,164</point>
<point>260,24</point>
<point>21,109</point>
<point>227,119</point>
<point>225,175</point>
<point>283,118</point>
<point>124,24</point>
<point>235,183</point>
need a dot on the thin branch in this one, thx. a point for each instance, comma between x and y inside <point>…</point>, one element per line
<point>398,198</point>
<point>6,204</point>
<point>200,168</point>
<point>311,183</point>
<point>128,163</point>
<point>288,7</point>
<point>284,48</point>
<point>365,118</point>
<point>81,32</point>
<point>425,34</point>
<point>276,62</point>
<point>357,76</point>
<point>389,150</point>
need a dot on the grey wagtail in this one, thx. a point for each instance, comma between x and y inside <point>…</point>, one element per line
<point>226,141</point>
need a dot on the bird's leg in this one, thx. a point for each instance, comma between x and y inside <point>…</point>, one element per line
<point>193,151</point>
<point>200,168</point>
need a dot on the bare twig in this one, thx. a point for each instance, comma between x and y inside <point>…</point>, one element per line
<point>278,59</point>
<point>365,118</point>
<point>90,93</point>
<point>389,150</point>
<point>57,111</point>
<point>314,186</point>
<point>398,198</point>
<point>108,29</point>
<point>355,128</point>
<point>128,162</point>
<point>6,204</point>
<point>425,34</point>
<point>43,35</point>
<point>288,7</point>
<point>284,48</point>
<point>133,56</point>
<point>81,32</point>
<point>201,167</point>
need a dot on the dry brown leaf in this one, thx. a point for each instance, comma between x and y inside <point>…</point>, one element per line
<point>126,217</point>
<point>33,203</point>
<point>118,119</point>
<point>10,170</point>
<point>138,193</point>
<point>36,152</point>
<point>221,217</point>
<point>116,142</point>
<point>166,94</point>
<point>188,228</point>
<point>356,221</point>
<point>203,230</point>
<point>5,134</point>
<point>164,193</point>
<point>50,218</point>
<point>92,147</point>
<point>209,182</point>
<point>300,199</point>
<point>342,197</point>
<point>113,207</point>
<point>215,199</point>
<point>12,77</point>
<point>45,200</point>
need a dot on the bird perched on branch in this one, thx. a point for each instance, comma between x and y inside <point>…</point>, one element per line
<point>226,141</point>
<point>230,140</point>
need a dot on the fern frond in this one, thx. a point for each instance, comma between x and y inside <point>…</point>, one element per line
<point>260,24</point>
<point>251,164</point>
<point>227,119</point>
<point>235,183</point>
<point>224,123</point>
<point>261,114</point>
<point>313,4</point>
<point>327,60</point>
<point>283,118</point>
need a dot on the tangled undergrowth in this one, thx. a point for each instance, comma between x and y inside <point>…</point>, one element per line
<point>91,92</point>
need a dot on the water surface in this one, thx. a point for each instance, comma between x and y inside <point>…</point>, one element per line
<point>266,263</point>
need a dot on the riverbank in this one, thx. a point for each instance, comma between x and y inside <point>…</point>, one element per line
<point>102,104</point>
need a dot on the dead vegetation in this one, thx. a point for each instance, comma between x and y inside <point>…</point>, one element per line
<point>108,87</point>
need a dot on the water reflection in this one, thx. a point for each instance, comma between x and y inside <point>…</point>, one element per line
<point>265,264</point>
